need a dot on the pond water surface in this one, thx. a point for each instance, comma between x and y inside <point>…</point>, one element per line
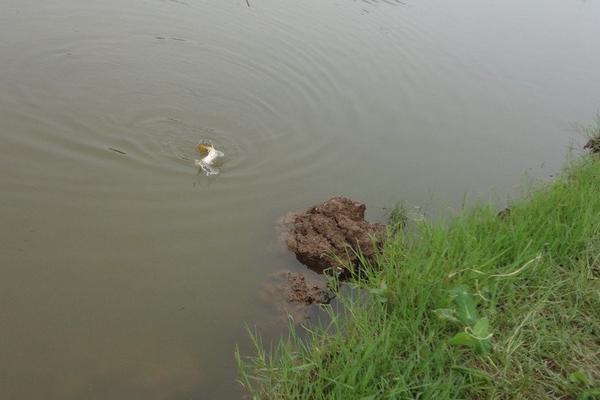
<point>131,276</point>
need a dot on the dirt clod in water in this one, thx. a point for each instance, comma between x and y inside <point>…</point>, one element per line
<point>335,229</point>
<point>593,145</point>
<point>294,294</point>
<point>301,291</point>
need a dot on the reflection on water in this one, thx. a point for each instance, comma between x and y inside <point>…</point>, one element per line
<point>126,274</point>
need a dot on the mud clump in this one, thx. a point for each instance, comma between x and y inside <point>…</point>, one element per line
<point>303,292</point>
<point>295,295</point>
<point>333,231</point>
<point>287,287</point>
<point>593,145</point>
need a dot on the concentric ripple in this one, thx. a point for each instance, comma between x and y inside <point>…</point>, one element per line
<point>129,274</point>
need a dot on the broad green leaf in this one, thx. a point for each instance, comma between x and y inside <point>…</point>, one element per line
<point>466,307</point>
<point>482,346</point>
<point>462,339</point>
<point>590,394</point>
<point>580,377</point>
<point>481,329</point>
<point>477,339</point>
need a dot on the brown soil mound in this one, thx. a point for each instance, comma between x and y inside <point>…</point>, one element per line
<point>330,230</point>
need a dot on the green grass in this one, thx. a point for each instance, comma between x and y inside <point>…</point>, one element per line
<point>482,307</point>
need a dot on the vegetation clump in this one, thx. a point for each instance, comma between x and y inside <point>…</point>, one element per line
<point>593,132</point>
<point>482,307</point>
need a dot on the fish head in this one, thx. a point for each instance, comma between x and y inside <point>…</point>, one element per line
<point>203,148</point>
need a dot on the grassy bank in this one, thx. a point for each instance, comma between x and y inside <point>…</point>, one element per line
<point>483,307</point>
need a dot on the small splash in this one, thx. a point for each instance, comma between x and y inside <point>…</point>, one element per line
<point>209,163</point>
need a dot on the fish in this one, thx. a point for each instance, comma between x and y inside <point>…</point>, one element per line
<point>208,162</point>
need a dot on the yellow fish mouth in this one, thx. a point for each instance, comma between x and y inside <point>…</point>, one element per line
<point>203,148</point>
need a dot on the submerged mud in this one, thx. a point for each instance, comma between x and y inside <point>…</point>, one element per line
<point>299,290</point>
<point>295,295</point>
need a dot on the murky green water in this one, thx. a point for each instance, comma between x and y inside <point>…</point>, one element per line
<point>129,276</point>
